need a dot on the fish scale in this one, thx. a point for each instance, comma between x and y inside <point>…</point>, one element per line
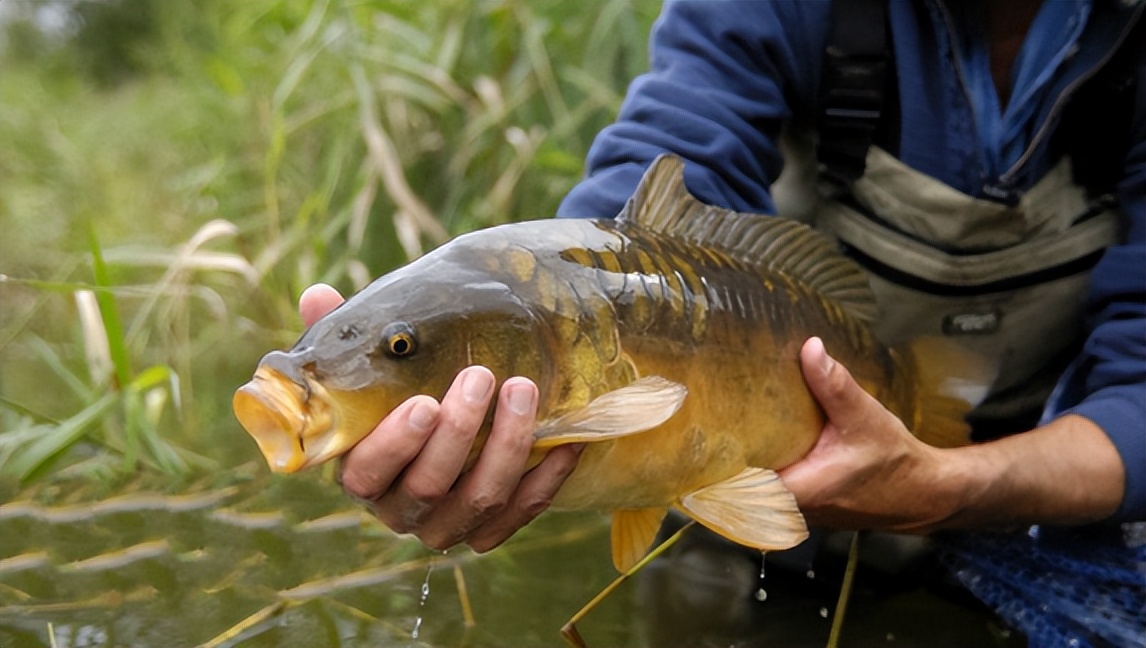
<point>666,341</point>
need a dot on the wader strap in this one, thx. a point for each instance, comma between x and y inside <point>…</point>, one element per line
<point>852,85</point>
<point>1007,283</point>
<point>858,87</point>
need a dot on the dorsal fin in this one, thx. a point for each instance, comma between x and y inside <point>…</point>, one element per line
<point>663,204</point>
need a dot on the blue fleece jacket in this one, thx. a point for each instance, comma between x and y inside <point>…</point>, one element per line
<point>726,77</point>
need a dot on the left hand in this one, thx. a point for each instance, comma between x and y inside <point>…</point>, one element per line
<point>867,471</point>
<point>408,470</point>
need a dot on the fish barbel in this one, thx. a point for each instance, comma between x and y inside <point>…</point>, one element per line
<point>667,340</point>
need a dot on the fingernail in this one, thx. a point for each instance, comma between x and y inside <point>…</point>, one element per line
<point>476,385</point>
<point>826,362</point>
<point>316,288</point>
<point>520,399</point>
<point>422,416</point>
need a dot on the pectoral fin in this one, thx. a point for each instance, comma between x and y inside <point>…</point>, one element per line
<point>633,533</point>
<point>641,405</point>
<point>753,509</point>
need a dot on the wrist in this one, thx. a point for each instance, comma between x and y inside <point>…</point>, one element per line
<point>953,481</point>
<point>968,477</point>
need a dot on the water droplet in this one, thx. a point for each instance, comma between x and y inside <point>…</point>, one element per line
<point>823,612</point>
<point>761,595</point>
<point>811,574</point>
<point>425,594</point>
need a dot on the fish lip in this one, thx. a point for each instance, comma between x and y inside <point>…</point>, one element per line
<point>282,415</point>
<point>325,441</point>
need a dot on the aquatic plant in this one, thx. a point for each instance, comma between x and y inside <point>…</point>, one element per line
<point>168,193</point>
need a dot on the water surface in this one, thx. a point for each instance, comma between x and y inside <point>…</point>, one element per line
<point>249,559</point>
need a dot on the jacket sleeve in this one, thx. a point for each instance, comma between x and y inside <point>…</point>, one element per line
<point>1107,383</point>
<point>723,80</point>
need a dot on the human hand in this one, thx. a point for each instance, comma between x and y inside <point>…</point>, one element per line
<point>409,468</point>
<point>867,471</point>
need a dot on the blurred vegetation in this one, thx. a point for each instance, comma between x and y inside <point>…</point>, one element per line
<point>173,174</point>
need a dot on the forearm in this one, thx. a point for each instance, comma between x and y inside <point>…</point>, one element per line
<point>1065,472</point>
<point>868,472</point>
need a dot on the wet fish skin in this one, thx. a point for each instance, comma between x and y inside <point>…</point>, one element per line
<point>704,320</point>
<point>616,321</point>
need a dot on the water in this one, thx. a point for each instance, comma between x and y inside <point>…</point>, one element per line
<point>422,602</point>
<point>284,562</point>
<point>289,562</point>
<point>761,595</point>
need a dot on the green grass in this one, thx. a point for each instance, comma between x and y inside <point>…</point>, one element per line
<point>174,174</point>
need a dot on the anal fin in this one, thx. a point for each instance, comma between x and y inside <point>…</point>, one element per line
<point>634,531</point>
<point>754,509</point>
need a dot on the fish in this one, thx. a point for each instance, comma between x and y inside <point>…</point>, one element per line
<point>666,340</point>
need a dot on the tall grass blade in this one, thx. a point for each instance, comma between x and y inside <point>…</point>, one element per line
<point>25,412</point>
<point>109,313</point>
<point>338,137</point>
<point>48,355</point>
<point>95,338</point>
<point>28,463</point>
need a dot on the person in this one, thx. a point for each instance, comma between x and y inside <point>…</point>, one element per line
<point>979,90</point>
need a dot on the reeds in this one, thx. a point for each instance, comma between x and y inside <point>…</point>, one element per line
<point>157,230</point>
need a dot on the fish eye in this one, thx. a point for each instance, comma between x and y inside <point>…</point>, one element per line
<point>399,339</point>
<point>401,344</point>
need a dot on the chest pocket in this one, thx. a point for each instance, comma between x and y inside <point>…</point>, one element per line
<point>1005,282</point>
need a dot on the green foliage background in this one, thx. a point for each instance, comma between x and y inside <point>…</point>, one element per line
<point>173,174</point>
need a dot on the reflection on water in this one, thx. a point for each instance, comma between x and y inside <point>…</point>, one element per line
<point>277,561</point>
<point>706,592</point>
<point>289,561</point>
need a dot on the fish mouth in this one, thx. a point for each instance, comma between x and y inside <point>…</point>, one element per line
<point>294,425</point>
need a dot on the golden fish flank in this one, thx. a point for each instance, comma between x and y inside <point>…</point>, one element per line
<point>667,340</point>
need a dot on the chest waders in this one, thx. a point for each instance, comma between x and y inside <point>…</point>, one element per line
<point>1006,282</point>
<point>1004,279</point>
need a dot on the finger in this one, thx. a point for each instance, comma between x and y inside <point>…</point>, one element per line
<point>811,477</point>
<point>832,384</point>
<point>316,301</point>
<point>533,496</point>
<point>431,475</point>
<point>486,488</point>
<point>370,467</point>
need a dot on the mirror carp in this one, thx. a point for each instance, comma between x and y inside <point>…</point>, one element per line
<point>666,340</point>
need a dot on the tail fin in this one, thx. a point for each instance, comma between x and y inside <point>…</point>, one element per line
<point>951,381</point>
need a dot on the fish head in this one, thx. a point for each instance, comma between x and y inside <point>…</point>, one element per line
<point>288,413</point>
<point>407,333</point>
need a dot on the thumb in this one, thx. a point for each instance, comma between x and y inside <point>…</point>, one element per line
<point>832,384</point>
<point>316,301</point>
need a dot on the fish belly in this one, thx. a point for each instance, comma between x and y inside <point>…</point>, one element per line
<point>745,407</point>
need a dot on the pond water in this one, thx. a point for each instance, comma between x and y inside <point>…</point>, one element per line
<point>289,561</point>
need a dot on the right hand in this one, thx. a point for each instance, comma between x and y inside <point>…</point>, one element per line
<point>408,469</point>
